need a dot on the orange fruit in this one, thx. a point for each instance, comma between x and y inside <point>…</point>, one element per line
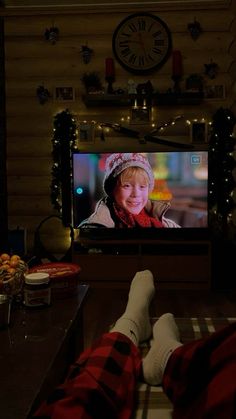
<point>15,257</point>
<point>14,263</point>
<point>5,256</point>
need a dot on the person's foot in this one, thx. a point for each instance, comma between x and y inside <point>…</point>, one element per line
<point>165,340</point>
<point>135,321</point>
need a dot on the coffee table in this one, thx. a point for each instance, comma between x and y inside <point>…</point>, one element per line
<point>36,350</point>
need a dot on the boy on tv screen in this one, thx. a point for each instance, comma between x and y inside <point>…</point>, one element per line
<point>131,195</point>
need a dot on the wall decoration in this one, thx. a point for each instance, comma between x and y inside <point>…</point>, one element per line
<point>64,94</point>
<point>194,29</point>
<point>194,83</point>
<point>64,143</point>
<point>86,132</point>
<point>198,132</point>
<point>211,70</point>
<point>52,34</point>
<point>131,87</point>
<point>92,82</point>
<point>135,133</point>
<point>43,94</point>
<point>214,92</point>
<point>86,54</point>
<point>141,43</point>
<point>221,165</point>
<point>140,115</point>
<point>145,88</point>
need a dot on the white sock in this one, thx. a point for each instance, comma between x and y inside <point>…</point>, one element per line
<point>165,340</point>
<point>135,322</point>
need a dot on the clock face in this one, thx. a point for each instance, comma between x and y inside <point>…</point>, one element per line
<point>141,43</point>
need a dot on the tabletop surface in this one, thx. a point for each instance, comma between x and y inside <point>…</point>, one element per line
<point>28,348</point>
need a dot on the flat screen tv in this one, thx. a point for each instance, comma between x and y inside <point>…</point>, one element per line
<point>178,188</point>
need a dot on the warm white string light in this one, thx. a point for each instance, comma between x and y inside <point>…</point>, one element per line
<point>153,123</point>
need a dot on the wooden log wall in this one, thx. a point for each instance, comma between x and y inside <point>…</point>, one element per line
<point>31,61</point>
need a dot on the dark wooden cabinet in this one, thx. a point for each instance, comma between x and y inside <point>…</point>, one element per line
<point>175,264</point>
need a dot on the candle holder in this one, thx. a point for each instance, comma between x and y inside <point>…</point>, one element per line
<point>110,80</point>
<point>176,79</point>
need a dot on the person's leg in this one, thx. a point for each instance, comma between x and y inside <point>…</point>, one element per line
<point>102,382</point>
<point>165,340</point>
<point>199,377</point>
<point>135,321</point>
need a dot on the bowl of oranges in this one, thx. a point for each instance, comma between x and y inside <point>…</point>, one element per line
<point>12,272</point>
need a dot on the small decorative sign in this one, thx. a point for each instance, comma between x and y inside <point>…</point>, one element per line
<point>214,92</point>
<point>140,115</point>
<point>65,94</point>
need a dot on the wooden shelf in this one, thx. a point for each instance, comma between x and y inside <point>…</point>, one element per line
<point>156,99</point>
<point>184,98</point>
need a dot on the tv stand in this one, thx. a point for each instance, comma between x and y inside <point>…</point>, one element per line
<point>177,264</point>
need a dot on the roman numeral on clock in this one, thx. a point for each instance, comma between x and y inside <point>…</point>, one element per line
<point>132,27</point>
<point>156,50</point>
<point>141,60</point>
<point>142,25</point>
<point>132,59</point>
<point>125,52</point>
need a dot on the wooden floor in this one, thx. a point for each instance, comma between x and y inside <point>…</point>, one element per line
<point>104,306</point>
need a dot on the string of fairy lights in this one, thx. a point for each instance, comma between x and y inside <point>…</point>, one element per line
<point>222,162</point>
<point>124,123</point>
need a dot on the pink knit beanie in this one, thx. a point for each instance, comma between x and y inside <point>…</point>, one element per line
<point>117,162</point>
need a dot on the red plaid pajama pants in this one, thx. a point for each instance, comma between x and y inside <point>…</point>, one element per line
<point>100,385</point>
<point>200,377</point>
<point>200,380</point>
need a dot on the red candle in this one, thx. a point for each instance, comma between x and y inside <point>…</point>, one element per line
<point>177,69</point>
<point>110,70</point>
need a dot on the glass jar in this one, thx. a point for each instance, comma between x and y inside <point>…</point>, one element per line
<point>37,290</point>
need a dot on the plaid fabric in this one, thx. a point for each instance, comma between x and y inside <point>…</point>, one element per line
<point>153,403</point>
<point>200,377</point>
<point>100,384</point>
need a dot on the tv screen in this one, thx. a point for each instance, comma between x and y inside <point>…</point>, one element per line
<point>131,195</point>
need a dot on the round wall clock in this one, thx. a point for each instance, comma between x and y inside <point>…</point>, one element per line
<point>141,43</point>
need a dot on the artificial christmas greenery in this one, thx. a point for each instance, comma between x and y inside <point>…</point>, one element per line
<point>92,82</point>
<point>64,143</point>
<point>221,165</point>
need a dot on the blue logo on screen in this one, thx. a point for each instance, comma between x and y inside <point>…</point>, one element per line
<point>79,190</point>
<point>195,159</point>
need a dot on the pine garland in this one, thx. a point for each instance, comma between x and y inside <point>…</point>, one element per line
<point>221,165</point>
<point>64,143</point>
